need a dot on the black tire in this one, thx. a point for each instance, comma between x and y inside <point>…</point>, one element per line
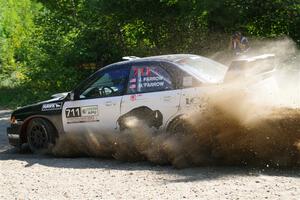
<point>40,135</point>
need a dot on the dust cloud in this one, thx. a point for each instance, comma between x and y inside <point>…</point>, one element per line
<point>254,120</point>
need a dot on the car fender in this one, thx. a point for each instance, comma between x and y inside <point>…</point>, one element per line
<point>54,120</point>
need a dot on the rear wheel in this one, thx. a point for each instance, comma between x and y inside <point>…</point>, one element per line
<point>40,135</point>
<point>179,127</point>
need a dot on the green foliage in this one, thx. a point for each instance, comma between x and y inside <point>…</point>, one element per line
<point>270,18</point>
<point>46,45</point>
<point>16,24</point>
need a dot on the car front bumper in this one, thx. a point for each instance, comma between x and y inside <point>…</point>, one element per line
<point>13,134</point>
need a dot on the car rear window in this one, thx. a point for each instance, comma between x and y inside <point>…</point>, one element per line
<point>207,70</point>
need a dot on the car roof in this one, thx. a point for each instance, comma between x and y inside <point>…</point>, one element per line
<point>172,58</point>
<point>169,58</point>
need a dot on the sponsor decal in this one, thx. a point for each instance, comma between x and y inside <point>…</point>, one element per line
<point>153,84</point>
<point>132,97</point>
<point>153,78</point>
<point>133,86</point>
<point>82,119</point>
<point>52,106</point>
<point>144,71</point>
<point>89,111</point>
<point>82,114</point>
<point>133,80</point>
<point>152,118</point>
<point>144,79</point>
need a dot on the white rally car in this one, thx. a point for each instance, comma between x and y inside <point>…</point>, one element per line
<point>157,90</point>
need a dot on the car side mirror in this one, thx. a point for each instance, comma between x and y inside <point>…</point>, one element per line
<point>71,96</point>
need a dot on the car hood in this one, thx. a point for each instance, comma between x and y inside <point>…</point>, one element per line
<point>51,106</point>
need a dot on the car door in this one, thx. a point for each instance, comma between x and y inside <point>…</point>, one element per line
<point>151,96</point>
<point>97,106</point>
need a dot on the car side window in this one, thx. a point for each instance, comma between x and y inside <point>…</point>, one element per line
<point>108,83</point>
<point>148,78</point>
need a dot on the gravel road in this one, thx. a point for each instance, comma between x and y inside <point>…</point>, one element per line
<point>27,176</point>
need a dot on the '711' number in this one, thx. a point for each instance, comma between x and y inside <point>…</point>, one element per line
<point>73,112</point>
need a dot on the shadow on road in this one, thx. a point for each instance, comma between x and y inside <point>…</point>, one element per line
<point>182,175</point>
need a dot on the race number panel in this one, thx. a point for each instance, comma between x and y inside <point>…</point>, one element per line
<point>91,115</point>
<point>82,114</point>
<point>73,112</point>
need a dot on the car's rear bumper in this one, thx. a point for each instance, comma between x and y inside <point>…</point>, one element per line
<point>13,134</point>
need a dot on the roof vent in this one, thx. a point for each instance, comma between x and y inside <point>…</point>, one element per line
<point>130,58</point>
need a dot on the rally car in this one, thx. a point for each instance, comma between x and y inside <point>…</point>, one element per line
<point>157,90</point>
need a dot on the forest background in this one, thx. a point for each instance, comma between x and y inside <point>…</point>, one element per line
<point>49,46</point>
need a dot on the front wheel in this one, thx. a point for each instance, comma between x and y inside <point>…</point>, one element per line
<point>40,135</point>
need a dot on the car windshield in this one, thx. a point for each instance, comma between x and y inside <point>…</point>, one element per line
<point>206,70</point>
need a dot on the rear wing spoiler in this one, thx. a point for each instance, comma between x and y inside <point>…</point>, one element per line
<point>263,65</point>
<point>130,57</point>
